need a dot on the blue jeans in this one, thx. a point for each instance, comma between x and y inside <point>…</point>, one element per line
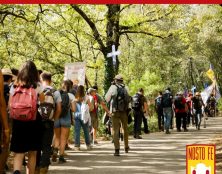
<point>78,124</point>
<point>167,112</point>
<point>198,117</point>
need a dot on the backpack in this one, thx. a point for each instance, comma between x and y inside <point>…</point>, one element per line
<point>179,103</point>
<point>83,109</point>
<point>23,104</point>
<point>197,103</point>
<point>159,102</point>
<point>121,100</point>
<point>137,101</point>
<point>167,100</point>
<point>46,109</point>
<point>65,103</point>
<point>95,103</point>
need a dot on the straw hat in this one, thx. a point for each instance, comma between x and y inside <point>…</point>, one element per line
<point>7,71</point>
<point>118,77</point>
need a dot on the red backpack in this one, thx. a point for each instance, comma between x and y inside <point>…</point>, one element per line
<point>23,104</point>
<point>95,104</point>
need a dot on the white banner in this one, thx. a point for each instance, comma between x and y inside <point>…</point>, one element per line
<point>75,72</point>
<point>206,93</point>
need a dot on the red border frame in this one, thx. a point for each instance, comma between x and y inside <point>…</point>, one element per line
<point>202,145</point>
<point>110,1</point>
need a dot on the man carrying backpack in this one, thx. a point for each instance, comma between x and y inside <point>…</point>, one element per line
<point>180,107</point>
<point>159,110</point>
<point>138,102</point>
<point>211,105</point>
<point>118,97</point>
<point>50,110</point>
<point>167,109</point>
<point>197,106</point>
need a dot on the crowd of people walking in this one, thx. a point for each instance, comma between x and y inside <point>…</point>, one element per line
<point>36,118</point>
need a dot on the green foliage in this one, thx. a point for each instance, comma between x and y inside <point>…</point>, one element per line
<point>150,82</point>
<point>219,106</point>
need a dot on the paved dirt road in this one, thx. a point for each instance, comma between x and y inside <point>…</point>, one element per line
<point>154,154</point>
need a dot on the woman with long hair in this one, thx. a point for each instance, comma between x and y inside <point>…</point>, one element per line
<point>63,123</point>
<point>81,98</point>
<point>26,135</point>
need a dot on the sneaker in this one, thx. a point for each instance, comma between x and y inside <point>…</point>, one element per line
<point>168,132</point>
<point>95,142</point>
<point>62,160</point>
<point>138,137</point>
<point>77,148</point>
<point>17,172</point>
<point>89,147</point>
<point>147,132</point>
<point>67,147</point>
<point>37,170</point>
<point>43,170</point>
<point>178,130</point>
<point>116,152</point>
<point>127,149</point>
<point>55,155</point>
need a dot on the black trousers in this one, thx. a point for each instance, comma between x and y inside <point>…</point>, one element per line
<point>43,155</point>
<point>145,124</point>
<point>160,118</point>
<point>138,116</point>
<point>179,117</point>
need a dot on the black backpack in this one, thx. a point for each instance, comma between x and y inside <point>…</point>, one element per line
<point>121,100</point>
<point>167,100</point>
<point>159,102</point>
<point>179,103</point>
<point>137,102</point>
<point>65,103</point>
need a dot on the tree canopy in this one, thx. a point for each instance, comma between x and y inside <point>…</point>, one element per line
<point>161,45</point>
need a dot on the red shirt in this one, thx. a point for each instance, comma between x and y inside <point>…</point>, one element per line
<point>182,110</point>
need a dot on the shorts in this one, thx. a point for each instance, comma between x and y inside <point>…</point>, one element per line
<point>94,120</point>
<point>63,121</point>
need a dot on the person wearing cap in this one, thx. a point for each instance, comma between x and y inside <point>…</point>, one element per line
<point>4,130</point>
<point>8,77</point>
<point>190,112</point>
<point>167,109</point>
<point>93,113</point>
<point>180,107</point>
<point>119,111</point>
<point>96,101</point>
<point>197,108</point>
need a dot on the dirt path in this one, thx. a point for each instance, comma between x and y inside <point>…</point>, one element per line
<point>155,153</point>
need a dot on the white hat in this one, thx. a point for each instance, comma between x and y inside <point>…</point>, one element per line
<point>91,90</point>
<point>118,77</point>
<point>7,71</point>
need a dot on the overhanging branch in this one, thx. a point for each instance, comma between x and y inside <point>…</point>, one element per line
<point>91,24</point>
<point>142,32</point>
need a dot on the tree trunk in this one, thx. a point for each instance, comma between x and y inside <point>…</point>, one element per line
<point>112,32</point>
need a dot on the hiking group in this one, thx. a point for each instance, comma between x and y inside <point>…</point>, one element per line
<point>188,110</point>
<point>36,118</point>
